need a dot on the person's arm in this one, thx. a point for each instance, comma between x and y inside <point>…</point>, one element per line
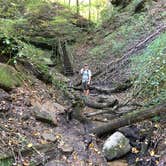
<point>81,71</point>
<point>90,77</point>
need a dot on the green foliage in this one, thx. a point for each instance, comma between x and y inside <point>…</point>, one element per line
<point>9,78</point>
<point>151,71</point>
<point>11,8</point>
<point>7,27</point>
<point>34,54</point>
<point>60,84</point>
<point>34,5</point>
<point>156,118</point>
<point>64,27</point>
<point>108,13</point>
<point>8,48</point>
<point>6,162</point>
<point>115,43</point>
<point>38,57</point>
<point>96,8</point>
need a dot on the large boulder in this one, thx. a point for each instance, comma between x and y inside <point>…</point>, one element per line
<point>48,112</point>
<point>116,146</point>
<point>9,77</point>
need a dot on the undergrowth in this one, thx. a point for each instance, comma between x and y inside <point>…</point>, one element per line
<point>6,162</point>
<point>150,70</point>
<point>9,78</point>
<point>115,43</point>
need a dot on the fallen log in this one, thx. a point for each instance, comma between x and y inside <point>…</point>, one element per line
<point>100,102</point>
<point>129,118</point>
<point>102,111</point>
<point>116,89</point>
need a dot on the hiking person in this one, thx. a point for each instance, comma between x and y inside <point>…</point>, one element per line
<point>86,79</point>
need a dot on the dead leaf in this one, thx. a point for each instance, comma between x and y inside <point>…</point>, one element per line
<point>152,153</point>
<point>135,150</point>
<point>29,145</point>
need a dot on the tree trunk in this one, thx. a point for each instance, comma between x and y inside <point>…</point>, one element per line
<point>130,118</point>
<point>78,7</point>
<point>89,11</point>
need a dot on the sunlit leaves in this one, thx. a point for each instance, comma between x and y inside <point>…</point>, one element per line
<point>152,153</point>
<point>29,145</point>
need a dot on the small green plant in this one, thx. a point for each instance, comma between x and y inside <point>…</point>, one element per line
<point>129,29</point>
<point>6,162</point>
<point>60,84</point>
<point>9,78</point>
<point>156,118</point>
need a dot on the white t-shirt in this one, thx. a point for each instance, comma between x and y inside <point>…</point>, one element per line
<point>86,74</point>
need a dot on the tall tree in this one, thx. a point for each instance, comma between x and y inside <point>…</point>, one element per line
<point>78,6</point>
<point>89,10</point>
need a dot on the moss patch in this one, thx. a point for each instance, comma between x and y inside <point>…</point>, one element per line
<point>6,162</point>
<point>9,77</point>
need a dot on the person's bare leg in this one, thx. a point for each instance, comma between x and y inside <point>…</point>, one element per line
<point>87,92</point>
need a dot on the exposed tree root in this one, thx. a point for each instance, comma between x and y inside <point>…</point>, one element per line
<point>130,118</point>
<point>117,89</point>
<point>100,102</point>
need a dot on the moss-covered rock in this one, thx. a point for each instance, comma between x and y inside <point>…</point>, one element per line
<point>116,146</point>
<point>9,77</point>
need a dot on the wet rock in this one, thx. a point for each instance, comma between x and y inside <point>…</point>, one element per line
<point>65,147</point>
<point>116,146</point>
<point>56,163</point>
<point>49,137</point>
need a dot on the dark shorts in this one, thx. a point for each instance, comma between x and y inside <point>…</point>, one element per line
<point>85,86</point>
